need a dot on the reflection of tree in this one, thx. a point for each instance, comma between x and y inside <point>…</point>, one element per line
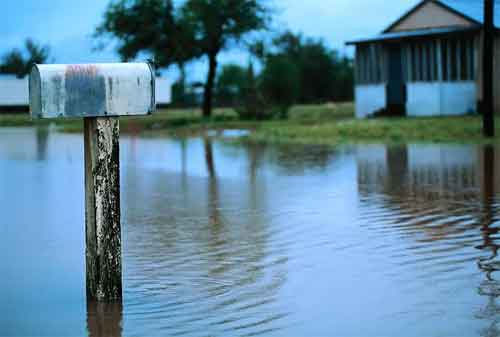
<point>104,319</point>
<point>42,135</point>
<point>204,241</point>
<point>209,157</point>
<point>213,195</point>
<point>296,158</point>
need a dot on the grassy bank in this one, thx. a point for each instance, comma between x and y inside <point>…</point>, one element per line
<point>308,124</point>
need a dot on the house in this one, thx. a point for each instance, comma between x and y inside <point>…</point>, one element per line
<point>14,93</point>
<point>426,63</point>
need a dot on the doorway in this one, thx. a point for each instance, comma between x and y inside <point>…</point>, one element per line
<point>396,87</point>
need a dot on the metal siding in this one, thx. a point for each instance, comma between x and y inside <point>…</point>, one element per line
<point>85,90</point>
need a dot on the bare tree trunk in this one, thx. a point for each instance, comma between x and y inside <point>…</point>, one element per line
<point>208,94</point>
<point>488,119</point>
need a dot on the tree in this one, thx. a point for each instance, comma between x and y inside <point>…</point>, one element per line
<point>253,106</point>
<point>19,62</point>
<point>324,76</point>
<point>218,24</point>
<point>198,28</point>
<point>488,41</point>
<point>229,84</point>
<point>280,82</point>
<point>152,27</point>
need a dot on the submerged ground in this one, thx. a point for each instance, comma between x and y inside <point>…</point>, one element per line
<point>250,239</point>
<point>267,233</point>
<point>309,124</point>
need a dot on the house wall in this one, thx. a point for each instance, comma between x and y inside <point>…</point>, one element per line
<point>430,15</point>
<point>13,91</point>
<point>163,91</point>
<point>369,98</point>
<point>441,98</point>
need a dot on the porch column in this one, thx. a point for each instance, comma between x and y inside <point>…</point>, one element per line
<point>439,62</point>
<point>425,75</point>
<point>409,63</point>
<point>448,61</point>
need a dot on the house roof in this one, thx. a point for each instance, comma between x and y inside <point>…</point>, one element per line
<point>395,36</point>
<point>470,10</point>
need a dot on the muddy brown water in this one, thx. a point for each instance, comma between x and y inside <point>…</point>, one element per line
<point>244,240</point>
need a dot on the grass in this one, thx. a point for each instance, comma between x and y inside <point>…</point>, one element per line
<point>307,124</point>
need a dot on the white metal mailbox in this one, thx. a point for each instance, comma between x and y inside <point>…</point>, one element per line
<point>91,90</point>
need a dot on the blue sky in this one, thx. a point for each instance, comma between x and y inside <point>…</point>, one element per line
<point>67,26</point>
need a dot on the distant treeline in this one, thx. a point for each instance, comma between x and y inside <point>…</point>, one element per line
<point>294,70</point>
<point>282,71</point>
<point>18,62</point>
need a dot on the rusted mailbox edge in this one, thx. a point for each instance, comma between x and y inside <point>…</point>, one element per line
<point>92,90</point>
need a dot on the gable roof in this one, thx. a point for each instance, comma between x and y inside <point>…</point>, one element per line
<point>472,8</point>
<point>469,10</point>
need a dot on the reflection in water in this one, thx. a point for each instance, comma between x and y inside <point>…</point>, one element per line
<point>490,286</point>
<point>42,136</point>
<point>104,319</point>
<point>209,157</point>
<point>197,251</point>
<point>222,239</point>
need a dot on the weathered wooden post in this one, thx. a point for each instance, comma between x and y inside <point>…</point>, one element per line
<point>99,93</point>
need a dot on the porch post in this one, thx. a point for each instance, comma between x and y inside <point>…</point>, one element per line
<point>439,62</point>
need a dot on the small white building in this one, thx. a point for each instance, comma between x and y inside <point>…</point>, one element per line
<point>426,63</point>
<point>14,93</point>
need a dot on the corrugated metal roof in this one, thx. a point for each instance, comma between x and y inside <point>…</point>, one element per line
<point>414,34</point>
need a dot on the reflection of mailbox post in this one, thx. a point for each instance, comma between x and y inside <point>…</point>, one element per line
<point>99,93</point>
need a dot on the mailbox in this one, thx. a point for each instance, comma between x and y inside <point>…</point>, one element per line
<point>91,90</point>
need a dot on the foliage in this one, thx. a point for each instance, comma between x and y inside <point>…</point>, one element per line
<point>151,27</point>
<point>217,24</point>
<point>198,28</point>
<point>323,75</point>
<point>19,62</point>
<point>253,104</point>
<point>230,84</point>
<point>280,83</point>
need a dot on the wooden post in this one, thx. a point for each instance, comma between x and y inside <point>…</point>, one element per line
<point>98,93</point>
<point>439,61</point>
<point>488,53</point>
<point>102,208</point>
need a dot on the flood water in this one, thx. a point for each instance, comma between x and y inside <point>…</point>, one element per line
<point>222,239</point>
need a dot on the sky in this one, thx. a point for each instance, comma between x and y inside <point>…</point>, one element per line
<point>67,26</point>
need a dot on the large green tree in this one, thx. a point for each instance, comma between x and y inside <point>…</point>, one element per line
<point>323,75</point>
<point>220,24</point>
<point>230,84</point>
<point>149,27</point>
<point>18,62</point>
<point>280,83</point>
<point>197,28</point>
